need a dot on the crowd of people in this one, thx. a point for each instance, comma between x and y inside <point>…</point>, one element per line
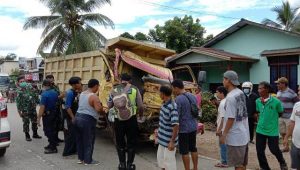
<point>243,115</point>
<point>75,112</point>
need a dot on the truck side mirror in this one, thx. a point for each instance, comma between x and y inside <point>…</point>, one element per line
<point>201,77</point>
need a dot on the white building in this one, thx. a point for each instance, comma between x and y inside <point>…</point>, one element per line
<point>8,66</point>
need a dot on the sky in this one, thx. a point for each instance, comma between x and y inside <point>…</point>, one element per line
<point>131,16</point>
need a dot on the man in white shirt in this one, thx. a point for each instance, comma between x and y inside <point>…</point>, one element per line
<point>236,128</point>
<point>294,130</point>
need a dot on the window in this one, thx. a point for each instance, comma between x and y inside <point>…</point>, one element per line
<point>284,66</point>
<point>4,80</point>
<point>182,74</point>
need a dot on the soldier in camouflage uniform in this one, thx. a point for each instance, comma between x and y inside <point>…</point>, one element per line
<point>59,114</point>
<point>27,100</point>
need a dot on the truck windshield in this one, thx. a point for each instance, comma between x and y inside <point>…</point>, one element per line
<point>4,80</point>
<point>182,74</point>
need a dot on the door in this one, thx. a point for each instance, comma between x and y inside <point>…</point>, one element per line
<point>288,71</point>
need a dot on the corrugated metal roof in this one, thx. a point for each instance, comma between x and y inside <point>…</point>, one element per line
<point>281,52</point>
<point>242,23</point>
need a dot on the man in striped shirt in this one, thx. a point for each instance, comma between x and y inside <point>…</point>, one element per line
<point>167,131</point>
<point>288,98</point>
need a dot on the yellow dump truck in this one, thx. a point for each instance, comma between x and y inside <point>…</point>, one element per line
<point>145,62</point>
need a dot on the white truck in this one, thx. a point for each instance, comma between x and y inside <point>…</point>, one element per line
<point>4,83</point>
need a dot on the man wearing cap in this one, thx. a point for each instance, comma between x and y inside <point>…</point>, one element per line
<point>47,110</point>
<point>26,101</point>
<point>288,98</point>
<point>126,127</point>
<point>236,128</point>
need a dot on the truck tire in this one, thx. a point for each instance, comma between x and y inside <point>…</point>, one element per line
<point>2,152</point>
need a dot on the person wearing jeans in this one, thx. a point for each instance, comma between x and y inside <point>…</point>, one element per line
<point>221,93</point>
<point>294,131</point>
<point>267,129</point>
<point>85,122</point>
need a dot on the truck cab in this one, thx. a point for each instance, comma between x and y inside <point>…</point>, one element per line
<point>4,83</point>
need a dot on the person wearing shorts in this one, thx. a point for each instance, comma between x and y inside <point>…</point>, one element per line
<point>235,129</point>
<point>187,125</point>
<point>288,98</point>
<point>294,130</point>
<point>187,143</point>
<point>167,131</point>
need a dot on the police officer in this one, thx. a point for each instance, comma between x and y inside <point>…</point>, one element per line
<point>47,110</point>
<point>127,129</point>
<point>59,115</point>
<point>71,107</point>
<point>26,101</point>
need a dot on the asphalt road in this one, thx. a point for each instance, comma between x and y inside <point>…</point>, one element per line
<point>23,155</point>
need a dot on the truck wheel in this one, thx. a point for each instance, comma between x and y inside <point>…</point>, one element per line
<point>2,152</point>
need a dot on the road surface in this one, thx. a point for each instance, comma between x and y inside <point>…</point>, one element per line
<point>23,155</point>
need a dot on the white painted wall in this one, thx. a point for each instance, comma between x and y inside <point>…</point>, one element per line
<point>8,66</point>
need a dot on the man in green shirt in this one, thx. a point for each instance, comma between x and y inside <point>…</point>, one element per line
<point>267,129</point>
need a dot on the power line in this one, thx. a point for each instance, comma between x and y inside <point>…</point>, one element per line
<point>188,11</point>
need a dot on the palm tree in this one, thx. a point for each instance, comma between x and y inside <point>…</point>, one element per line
<point>287,18</point>
<point>69,28</point>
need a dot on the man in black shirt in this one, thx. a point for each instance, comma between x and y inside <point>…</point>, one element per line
<point>251,97</point>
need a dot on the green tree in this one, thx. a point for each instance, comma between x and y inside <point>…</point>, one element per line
<point>179,33</point>
<point>15,72</point>
<point>209,37</point>
<point>69,29</point>
<point>11,56</point>
<point>127,35</point>
<point>140,36</point>
<point>288,18</point>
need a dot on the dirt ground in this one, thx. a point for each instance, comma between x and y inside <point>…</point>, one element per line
<point>208,147</point>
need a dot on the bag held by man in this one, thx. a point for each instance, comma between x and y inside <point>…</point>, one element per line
<point>194,107</point>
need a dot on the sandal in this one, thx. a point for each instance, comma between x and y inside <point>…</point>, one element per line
<point>285,150</point>
<point>221,165</point>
